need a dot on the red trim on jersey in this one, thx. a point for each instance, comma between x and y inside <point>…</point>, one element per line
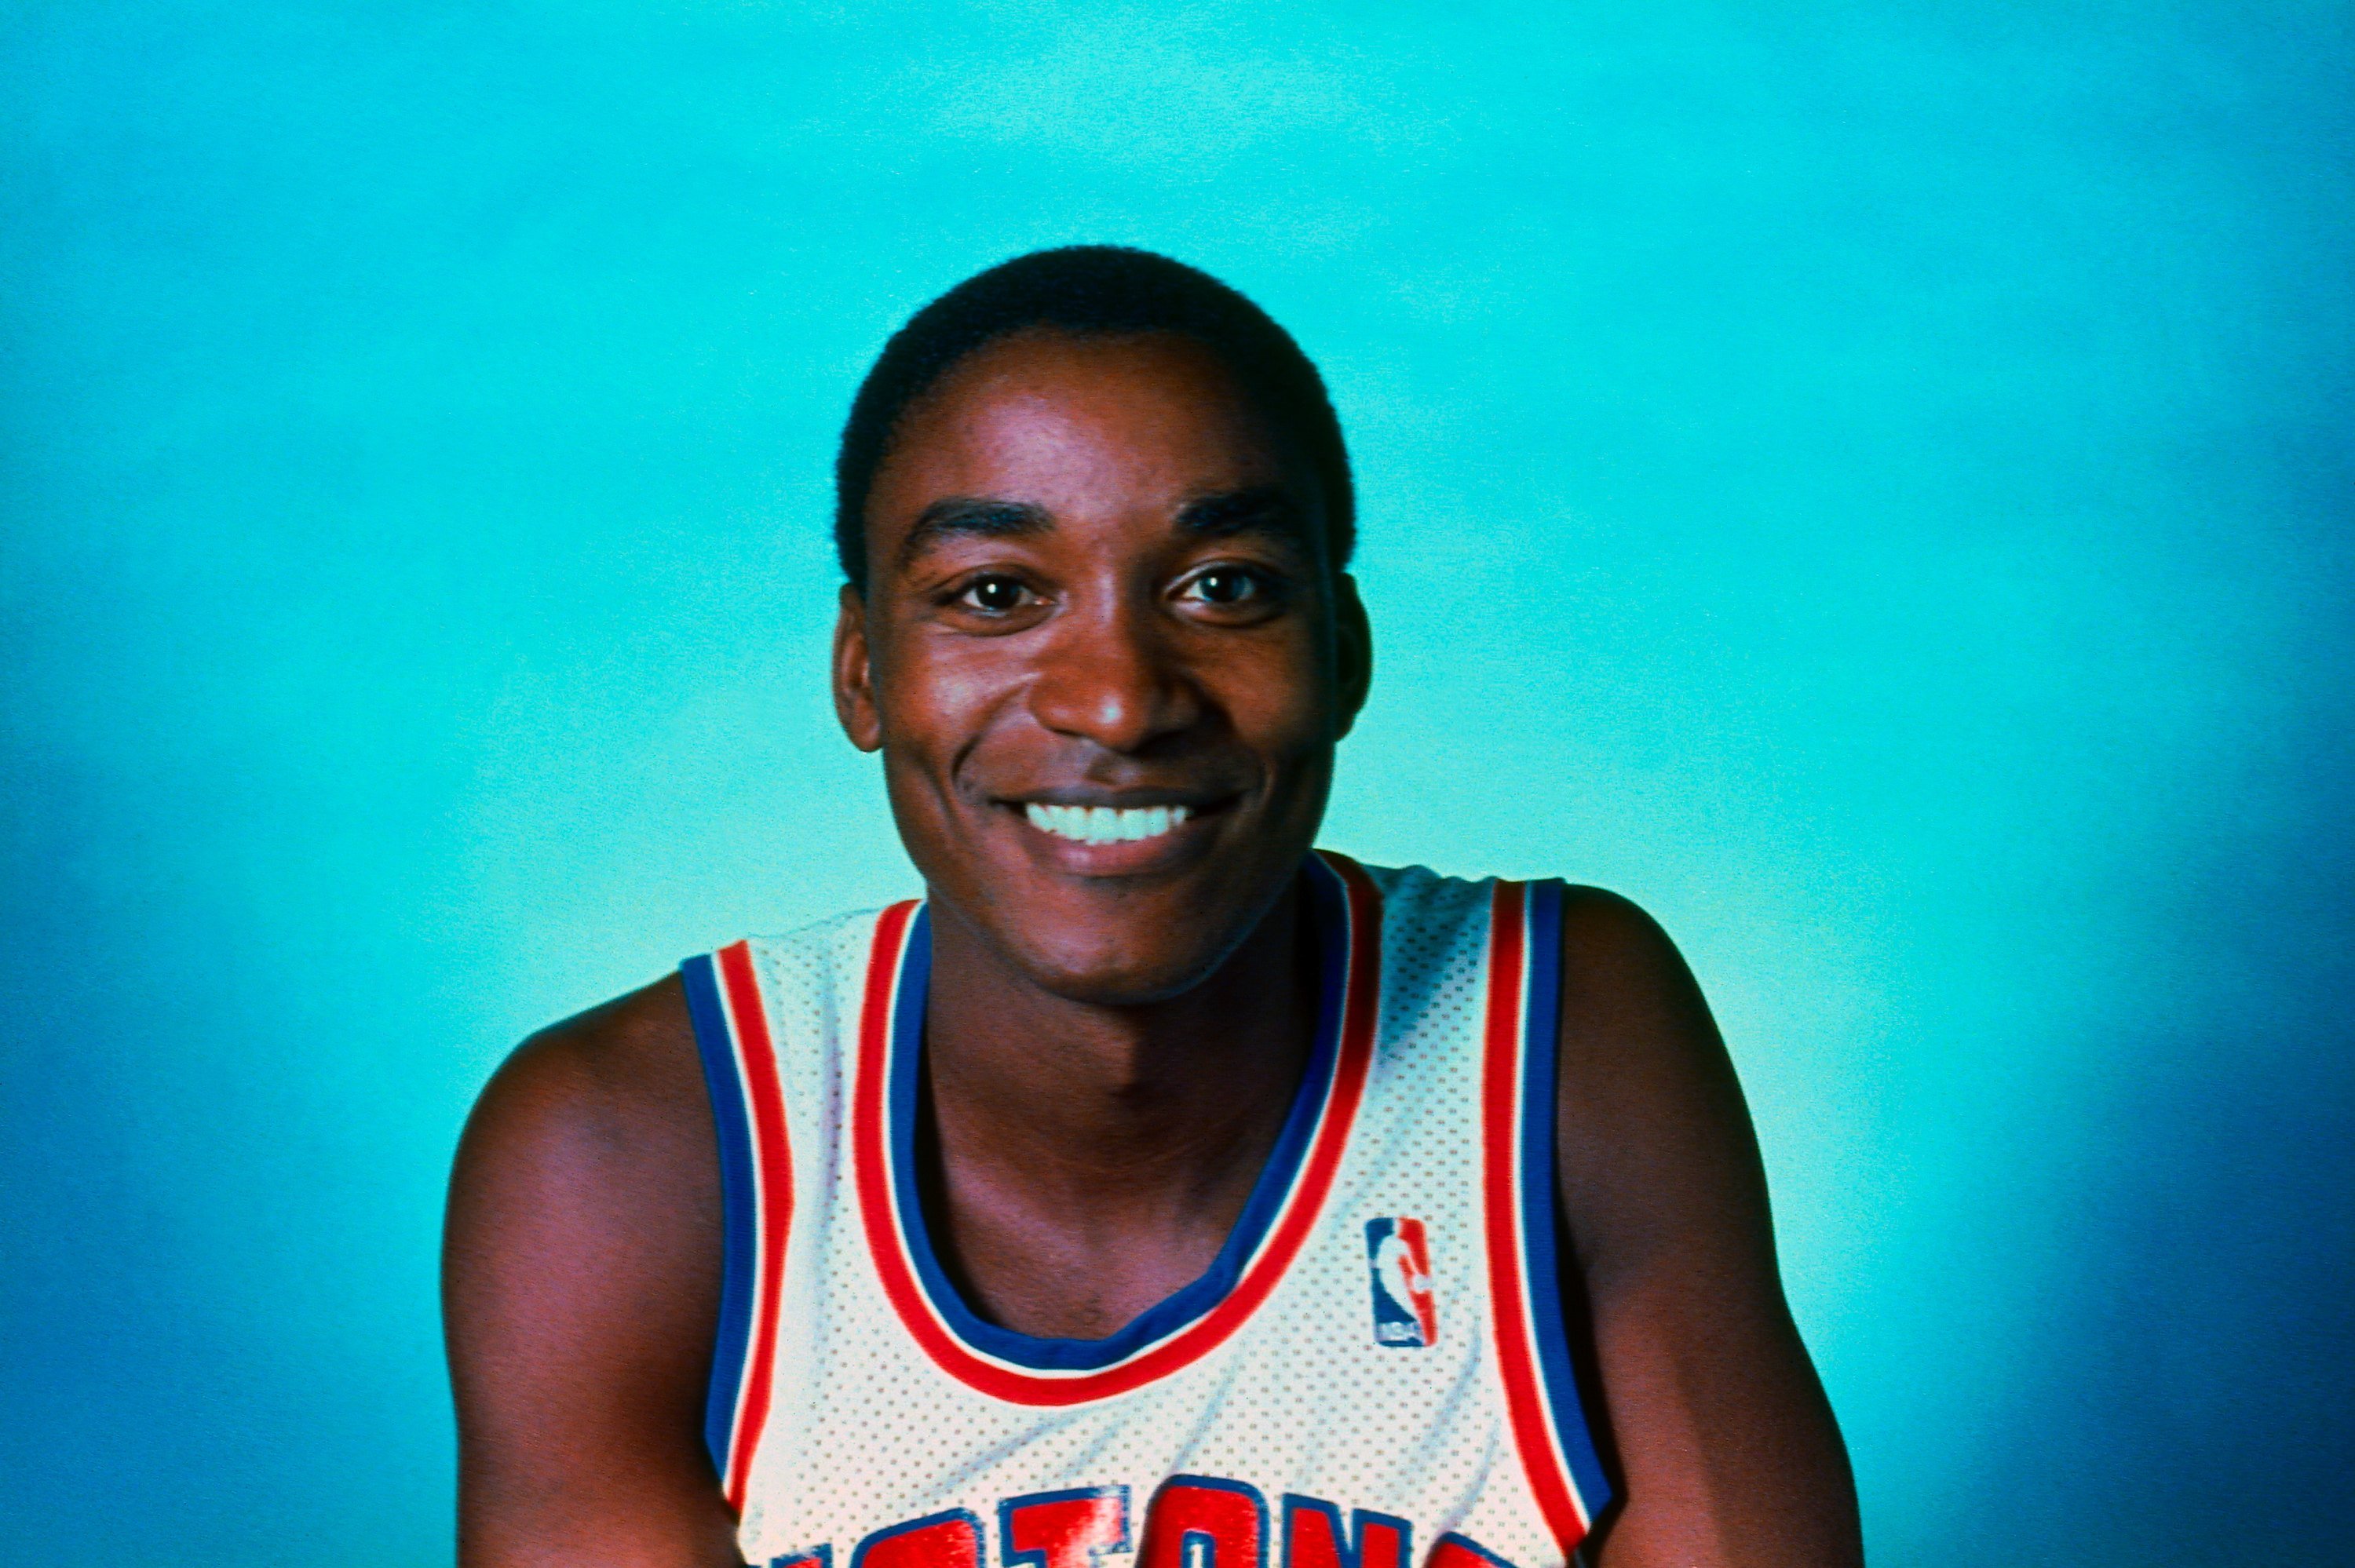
<point>772,1162</point>
<point>1500,1095</point>
<point>870,1166</point>
<point>887,1243</point>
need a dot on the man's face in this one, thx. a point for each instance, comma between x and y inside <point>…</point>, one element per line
<point>1104,654</point>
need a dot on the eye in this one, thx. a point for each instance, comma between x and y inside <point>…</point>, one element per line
<point>993,594</point>
<point>1226,586</point>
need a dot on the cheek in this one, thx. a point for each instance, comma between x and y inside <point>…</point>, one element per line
<point>927,694</point>
<point>945,706</point>
<point>1285,701</point>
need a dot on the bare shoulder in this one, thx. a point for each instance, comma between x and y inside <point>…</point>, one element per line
<point>594,1135</point>
<point>581,1287</point>
<point>1723,1447</point>
<point>602,1116</point>
<point>1656,1141</point>
<point>1620,969</point>
<point>602,1085</point>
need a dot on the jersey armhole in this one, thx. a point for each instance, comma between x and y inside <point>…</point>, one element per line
<point>1540,1220</point>
<point>715,1043</point>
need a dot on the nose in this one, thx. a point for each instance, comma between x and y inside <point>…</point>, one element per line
<point>1110,676</point>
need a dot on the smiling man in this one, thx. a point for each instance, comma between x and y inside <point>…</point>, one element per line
<point>1159,1187</point>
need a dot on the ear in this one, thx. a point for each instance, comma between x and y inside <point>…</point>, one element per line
<point>1353,638</point>
<point>854,675</point>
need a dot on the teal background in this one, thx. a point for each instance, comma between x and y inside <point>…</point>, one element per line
<point>1870,482</point>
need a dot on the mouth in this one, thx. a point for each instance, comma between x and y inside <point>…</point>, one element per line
<point>1105,832</point>
<point>1105,824</point>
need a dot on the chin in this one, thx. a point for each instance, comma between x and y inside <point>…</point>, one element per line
<point>1112,942</point>
<point>1114,968</point>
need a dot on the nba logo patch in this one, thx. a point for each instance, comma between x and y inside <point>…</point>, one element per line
<point>1397,1257</point>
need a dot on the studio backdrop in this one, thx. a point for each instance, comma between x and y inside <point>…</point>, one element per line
<point>1870,482</point>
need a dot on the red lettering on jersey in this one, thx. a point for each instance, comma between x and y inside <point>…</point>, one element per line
<point>1383,1542</point>
<point>1198,1523</point>
<point>1312,1537</point>
<point>1062,1530</point>
<point>951,1539</point>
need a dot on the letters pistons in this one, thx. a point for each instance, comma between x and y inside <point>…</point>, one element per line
<point>1192,1521</point>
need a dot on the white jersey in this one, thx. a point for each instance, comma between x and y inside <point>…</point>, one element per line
<point>1373,1373</point>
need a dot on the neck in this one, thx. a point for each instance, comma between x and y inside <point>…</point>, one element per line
<point>1060,1128</point>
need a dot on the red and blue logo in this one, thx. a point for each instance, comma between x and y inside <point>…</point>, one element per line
<point>1397,1257</point>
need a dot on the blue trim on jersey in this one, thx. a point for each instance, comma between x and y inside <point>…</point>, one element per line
<point>816,1557</point>
<point>1542,1264</point>
<point>738,1202</point>
<point>1329,911</point>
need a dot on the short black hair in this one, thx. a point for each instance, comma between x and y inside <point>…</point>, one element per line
<point>1092,291</point>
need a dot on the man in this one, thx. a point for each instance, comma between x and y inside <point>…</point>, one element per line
<point>1157,1186</point>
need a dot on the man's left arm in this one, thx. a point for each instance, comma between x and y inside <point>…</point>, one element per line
<point>1725,1447</point>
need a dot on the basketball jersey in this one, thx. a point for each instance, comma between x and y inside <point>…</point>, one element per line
<point>1371,1374</point>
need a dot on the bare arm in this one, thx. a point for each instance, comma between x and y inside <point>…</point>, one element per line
<point>1726,1450</point>
<point>580,1291</point>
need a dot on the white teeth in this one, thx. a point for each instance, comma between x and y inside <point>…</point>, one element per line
<point>1104,825</point>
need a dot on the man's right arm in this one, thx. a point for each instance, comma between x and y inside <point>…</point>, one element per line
<point>580,1291</point>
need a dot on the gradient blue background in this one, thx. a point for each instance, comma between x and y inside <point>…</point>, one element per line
<point>1870,482</point>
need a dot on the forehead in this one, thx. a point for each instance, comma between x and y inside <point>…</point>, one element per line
<point>1075,424</point>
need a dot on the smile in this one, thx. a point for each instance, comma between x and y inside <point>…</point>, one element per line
<point>1105,824</point>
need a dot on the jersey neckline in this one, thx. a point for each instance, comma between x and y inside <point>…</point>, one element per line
<point>1284,1205</point>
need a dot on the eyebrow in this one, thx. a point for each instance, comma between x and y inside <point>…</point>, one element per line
<point>970,517</point>
<point>1262,509</point>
